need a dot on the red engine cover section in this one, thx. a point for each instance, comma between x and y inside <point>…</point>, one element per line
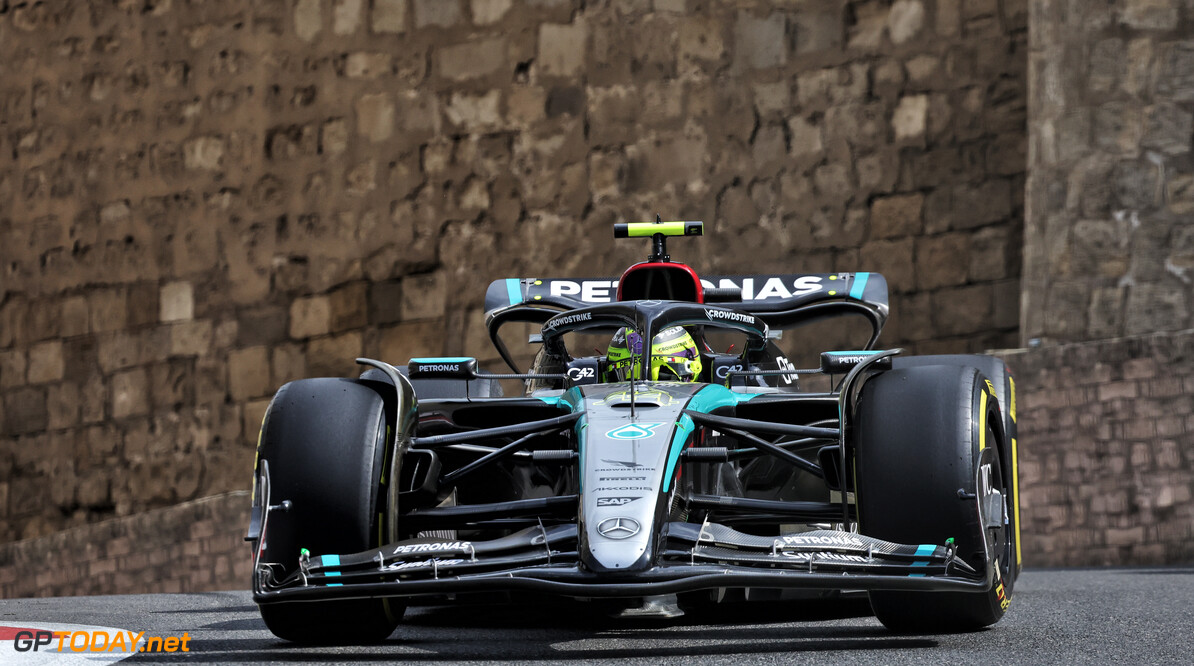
<point>660,280</point>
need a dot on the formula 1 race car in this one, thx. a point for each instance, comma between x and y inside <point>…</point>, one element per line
<point>657,472</point>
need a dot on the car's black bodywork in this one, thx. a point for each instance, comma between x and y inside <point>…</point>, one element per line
<point>592,489</point>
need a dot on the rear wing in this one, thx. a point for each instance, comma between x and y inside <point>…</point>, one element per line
<point>760,294</point>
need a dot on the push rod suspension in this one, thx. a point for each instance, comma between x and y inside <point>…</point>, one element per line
<point>434,441</point>
<point>724,422</point>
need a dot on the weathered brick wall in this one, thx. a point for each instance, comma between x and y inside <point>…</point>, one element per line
<point>192,547</point>
<point>202,200</point>
<point>1107,451</point>
<point>1108,243</point>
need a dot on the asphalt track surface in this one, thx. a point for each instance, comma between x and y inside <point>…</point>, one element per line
<point>1136,616</point>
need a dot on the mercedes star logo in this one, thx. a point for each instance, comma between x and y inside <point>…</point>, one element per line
<point>618,528</point>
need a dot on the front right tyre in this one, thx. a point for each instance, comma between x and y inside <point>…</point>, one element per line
<point>921,436</point>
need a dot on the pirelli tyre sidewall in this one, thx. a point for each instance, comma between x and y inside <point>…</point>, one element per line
<point>326,443</point>
<point>920,434</point>
<point>1005,393</point>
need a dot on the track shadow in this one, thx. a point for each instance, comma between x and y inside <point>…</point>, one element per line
<point>563,614</point>
<point>464,649</point>
<point>577,631</point>
<point>221,609</point>
<point>248,624</point>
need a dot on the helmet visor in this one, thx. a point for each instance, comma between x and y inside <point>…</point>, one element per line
<point>672,369</point>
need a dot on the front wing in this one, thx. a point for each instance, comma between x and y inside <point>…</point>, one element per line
<point>692,557</point>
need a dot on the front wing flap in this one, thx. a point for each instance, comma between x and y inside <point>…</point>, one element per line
<point>693,557</point>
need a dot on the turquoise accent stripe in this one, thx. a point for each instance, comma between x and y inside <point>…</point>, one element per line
<point>850,353</point>
<point>859,285</point>
<point>331,561</point>
<point>706,400</point>
<point>923,550</point>
<point>514,290</point>
<point>580,451</point>
<point>443,359</point>
<point>573,400</point>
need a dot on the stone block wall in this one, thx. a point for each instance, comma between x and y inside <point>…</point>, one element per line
<point>202,200</point>
<point>191,547</point>
<point>1109,246</point>
<point>1106,440</point>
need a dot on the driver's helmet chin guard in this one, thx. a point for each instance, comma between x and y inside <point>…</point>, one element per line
<point>674,356</point>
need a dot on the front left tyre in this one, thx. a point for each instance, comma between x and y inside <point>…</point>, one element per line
<point>325,441</point>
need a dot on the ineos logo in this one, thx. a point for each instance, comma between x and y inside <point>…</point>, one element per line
<point>618,528</point>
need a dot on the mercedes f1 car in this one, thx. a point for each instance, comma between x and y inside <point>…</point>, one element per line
<point>659,471</point>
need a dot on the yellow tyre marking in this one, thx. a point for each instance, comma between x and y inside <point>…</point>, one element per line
<point>1011,391</point>
<point>257,454</point>
<point>1016,497</point>
<point>982,422</point>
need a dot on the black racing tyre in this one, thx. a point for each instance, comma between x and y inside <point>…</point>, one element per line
<point>918,438</point>
<point>325,442</point>
<point>544,364</point>
<point>1005,393</point>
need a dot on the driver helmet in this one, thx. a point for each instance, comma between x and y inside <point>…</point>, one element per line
<point>674,356</point>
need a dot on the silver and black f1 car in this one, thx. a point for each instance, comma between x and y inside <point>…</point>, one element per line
<point>659,472</point>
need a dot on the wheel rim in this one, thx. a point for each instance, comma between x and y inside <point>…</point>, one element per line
<point>998,527</point>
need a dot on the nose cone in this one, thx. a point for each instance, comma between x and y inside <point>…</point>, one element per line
<point>624,465</point>
<point>618,543</point>
<point>624,460</point>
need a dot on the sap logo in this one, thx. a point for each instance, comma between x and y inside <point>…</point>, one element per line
<point>615,501</point>
<point>589,291</point>
<point>773,287</point>
<point>633,431</point>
